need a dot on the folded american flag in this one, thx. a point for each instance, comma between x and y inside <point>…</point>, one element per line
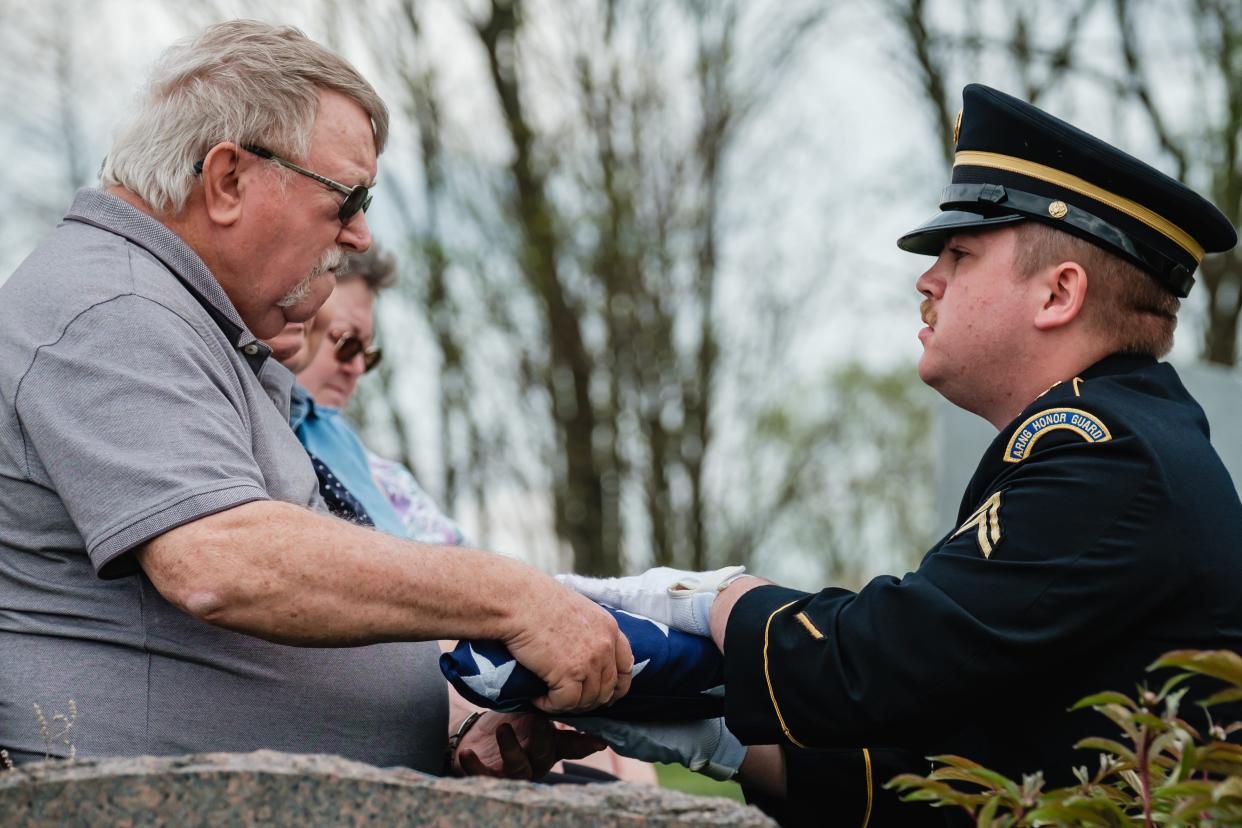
<point>676,675</point>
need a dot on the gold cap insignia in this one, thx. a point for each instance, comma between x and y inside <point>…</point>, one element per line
<point>957,127</point>
<point>1058,210</point>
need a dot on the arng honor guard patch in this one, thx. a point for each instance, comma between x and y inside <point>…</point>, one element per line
<point>1087,426</point>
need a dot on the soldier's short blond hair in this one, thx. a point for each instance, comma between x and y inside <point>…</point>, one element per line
<point>1124,304</point>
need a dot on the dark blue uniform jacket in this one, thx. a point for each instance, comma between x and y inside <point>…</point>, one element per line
<point>1099,531</point>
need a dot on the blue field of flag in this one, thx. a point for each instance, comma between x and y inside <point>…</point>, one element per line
<point>676,675</point>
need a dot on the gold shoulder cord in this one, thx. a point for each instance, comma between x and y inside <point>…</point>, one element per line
<point>867,764</point>
<point>767,675</point>
<point>866,754</point>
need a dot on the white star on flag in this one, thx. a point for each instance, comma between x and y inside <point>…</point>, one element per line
<point>491,679</point>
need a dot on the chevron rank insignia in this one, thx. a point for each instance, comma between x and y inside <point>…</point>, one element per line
<point>986,523</point>
<point>1087,426</point>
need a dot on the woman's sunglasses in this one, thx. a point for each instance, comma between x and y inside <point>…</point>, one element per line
<point>349,346</point>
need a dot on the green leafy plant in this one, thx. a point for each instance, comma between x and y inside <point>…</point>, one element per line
<point>1161,771</point>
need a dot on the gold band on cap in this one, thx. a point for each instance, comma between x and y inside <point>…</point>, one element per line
<point>1136,211</point>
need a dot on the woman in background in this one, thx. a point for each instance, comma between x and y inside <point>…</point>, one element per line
<point>337,348</point>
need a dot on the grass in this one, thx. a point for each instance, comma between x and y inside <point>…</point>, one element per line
<point>687,781</point>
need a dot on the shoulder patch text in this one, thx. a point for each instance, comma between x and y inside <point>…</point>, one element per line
<point>1087,426</point>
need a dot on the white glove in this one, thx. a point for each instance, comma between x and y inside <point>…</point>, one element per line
<point>680,599</point>
<point>705,746</point>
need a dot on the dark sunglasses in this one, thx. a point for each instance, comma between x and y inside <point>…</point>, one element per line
<point>349,346</point>
<point>357,198</point>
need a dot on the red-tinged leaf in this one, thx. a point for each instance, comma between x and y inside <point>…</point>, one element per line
<point>1122,798</point>
<point>1153,722</point>
<point>929,795</point>
<point>1166,750</point>
<point>972,777</point>
<point>908,782</point>
<point>1221,758</point>
<point>1173,682</point>
<point>1172,703</point>
<point>904,780</point>
<point>1187,764</point>
<point>936,792</point>
<point>919,789</point>
<point>1099,812</point>
<point>1189,810</point>
<point>1108,746</point>
<point>1222,748</point>
<point>954,761</point>
<point>1183,726</point>
<point>987,814</point>
<point>1231,695</point>
<point>1231,788</point>
<point>1220,768</point>
<point>999,781</point>
<point>1109,697</point>
<point>1187,787</point>
<point>1119,716</point>
<point>1225,665</point>
<point>1220,754</point>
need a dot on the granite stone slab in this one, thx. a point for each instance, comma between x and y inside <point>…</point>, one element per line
<point>269,788</point>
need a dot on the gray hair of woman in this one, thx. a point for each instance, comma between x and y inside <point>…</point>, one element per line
<point>241,81</point>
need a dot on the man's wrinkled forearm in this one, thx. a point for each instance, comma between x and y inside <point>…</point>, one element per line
<point>286,574</point>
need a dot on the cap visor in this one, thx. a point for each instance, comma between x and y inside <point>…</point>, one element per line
<point>928,238</point>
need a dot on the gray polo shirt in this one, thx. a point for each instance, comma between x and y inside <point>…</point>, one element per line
<point>134,400</point>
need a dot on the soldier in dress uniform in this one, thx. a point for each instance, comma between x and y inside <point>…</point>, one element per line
<point>1099,531</point>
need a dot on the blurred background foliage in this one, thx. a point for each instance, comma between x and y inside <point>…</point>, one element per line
<point>650,311</point>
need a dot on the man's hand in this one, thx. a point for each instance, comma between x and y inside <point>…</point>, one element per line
<point>705,746</point>
<point>518,746</point>
<point>572,644</point>
<point>675,597</point>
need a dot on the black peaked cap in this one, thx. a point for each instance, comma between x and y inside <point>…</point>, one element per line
<point>1015,162</point>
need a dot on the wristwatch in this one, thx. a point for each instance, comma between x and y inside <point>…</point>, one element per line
<point>455,739</point>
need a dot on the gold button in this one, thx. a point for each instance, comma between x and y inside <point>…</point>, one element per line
<point>1058,210</point>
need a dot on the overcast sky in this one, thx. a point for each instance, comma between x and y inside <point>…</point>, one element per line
<point>844,155</point>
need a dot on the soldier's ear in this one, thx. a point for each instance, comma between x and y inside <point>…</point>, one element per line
<point>1061,291</point>
<point>222,184</point>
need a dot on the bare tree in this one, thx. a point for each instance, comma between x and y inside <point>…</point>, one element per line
<point>1037,45</point>
<point>844,481</point>
<point>1040,48</point>
<point>1204,149</point>
<point>43,67</point>
<point>631,315</point>
<point>590,258</point>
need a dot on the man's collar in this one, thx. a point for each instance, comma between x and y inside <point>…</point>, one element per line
<point>301,406</point>
<point>1118,364</point>
<point>101,209</point>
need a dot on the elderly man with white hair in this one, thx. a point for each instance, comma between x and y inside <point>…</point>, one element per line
<point>165,560</point>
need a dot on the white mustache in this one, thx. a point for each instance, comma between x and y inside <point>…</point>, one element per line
<point>329,261</point>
